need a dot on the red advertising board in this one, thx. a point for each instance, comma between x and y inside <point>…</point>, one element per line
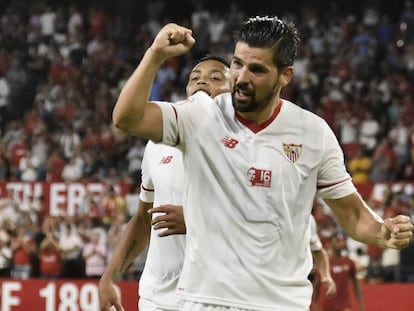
<point>60,295</point>
<point>70,195</point>
<point>82,295</point>
<point>57,195</point>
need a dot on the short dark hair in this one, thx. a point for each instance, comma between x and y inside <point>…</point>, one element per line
<point>213,57</point>
<point>274,33</point>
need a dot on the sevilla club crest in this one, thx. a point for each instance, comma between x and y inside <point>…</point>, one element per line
<point>292,151</point>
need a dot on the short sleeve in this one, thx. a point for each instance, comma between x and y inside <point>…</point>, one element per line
<point>147,187</point>
<point>334,181</point>
<point>182,119</point>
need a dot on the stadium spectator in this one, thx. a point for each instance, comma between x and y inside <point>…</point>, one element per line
<point>399,136</point>
<point>71,245</point>
<point>89,207</point>
<point>405,269</point>
<point>343,272</point>
<point>5,254</point>
<point>389,261</point>
<point>9,211</point>
<point>4,102</point>
<point>75,22</point>
<point>368,132</point>
<point>113,206</point>
<point>69,141</point>
<point>47,21</point>
<point>72,171</point>
<point>134,156</point>
<point>50,258</point>
<point>321,273</point>
<point>23,248</point>
<point>18,79</point>
<point>359,166</point>
<point>55,165</point>
<point>92,225</point>
<point>375,271</point>
<point>383,162</point>
<point>17,151</point>
<point>28,167</point>
<point>40,147</point>
<point>132,198</point>
<point>94,255</point>
<point>4,164</point>
<point>31,206</point>
<point>347,128</point>
<point>98,21</point>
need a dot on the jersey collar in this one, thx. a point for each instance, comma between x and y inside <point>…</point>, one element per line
<point>255,128</point>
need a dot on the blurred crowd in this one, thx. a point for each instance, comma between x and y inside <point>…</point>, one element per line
<point>62,245</point>
<point>62,67</point>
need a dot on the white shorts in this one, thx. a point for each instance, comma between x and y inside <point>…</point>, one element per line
<point>149,305</point>
<point>197,306</point>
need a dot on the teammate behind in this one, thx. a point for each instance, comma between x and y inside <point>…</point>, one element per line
<point>162,183</point>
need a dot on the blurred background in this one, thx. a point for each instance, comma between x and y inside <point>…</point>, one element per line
<point>63,64</point>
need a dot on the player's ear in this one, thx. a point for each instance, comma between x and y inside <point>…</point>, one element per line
<point>286,75</point>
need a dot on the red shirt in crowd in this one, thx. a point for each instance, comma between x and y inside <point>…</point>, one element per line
<point>50,262</point>
<point>18,151</point>
<point>22,254</point>
<point>342,270</point>
<point>55,167</point>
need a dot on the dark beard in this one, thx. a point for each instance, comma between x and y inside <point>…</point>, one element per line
<point>251,105</point>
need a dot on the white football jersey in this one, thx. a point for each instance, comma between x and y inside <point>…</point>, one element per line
<point>248,198</point>
<point>162,183</point>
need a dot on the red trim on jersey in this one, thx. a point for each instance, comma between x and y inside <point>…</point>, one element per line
<point>255,128</point>
<point>175,112</point>
<point>146,189</point>
<point>334,184</point>
<point>176,119</point>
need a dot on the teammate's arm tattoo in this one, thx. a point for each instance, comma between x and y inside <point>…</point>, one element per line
<point>125,262</point>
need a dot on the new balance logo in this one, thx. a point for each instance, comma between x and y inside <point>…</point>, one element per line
<point>166,159</point>
<point>229,142</point>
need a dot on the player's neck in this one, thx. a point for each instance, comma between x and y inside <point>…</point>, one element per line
<point>264,115</point>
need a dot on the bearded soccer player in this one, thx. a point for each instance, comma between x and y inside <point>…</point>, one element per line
<point>253,164</point>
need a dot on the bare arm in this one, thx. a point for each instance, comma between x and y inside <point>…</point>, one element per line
<point>322,263</point>
<point>131,243</point>
<point>362,224</point>
<point>48,240</point>
<point>132,113</point>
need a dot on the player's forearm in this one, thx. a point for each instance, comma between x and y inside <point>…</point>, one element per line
<point>358,220</point>
<point>131,243</point>
<point>367,228</point>
<point>322,263</point>
<point>132,101</point>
